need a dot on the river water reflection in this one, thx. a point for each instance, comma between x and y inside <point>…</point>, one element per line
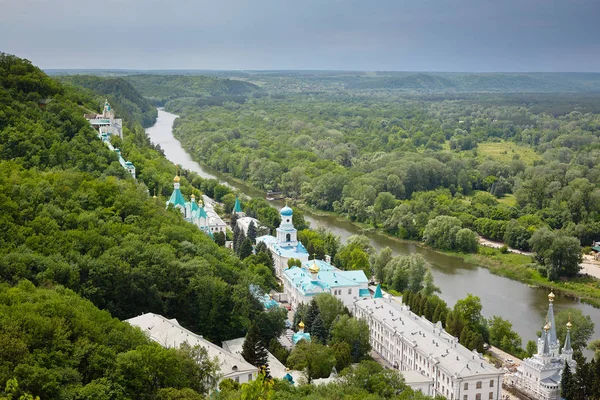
<point>522,305</point>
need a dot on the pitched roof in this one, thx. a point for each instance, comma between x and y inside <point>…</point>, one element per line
<point>453,358</point>
<point>176,198</point>
<point>237,208</point>
<point>168,333</point>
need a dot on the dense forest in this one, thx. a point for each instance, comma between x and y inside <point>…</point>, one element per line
<point>161,88</point>
<point>500,168</point>
<point>74,219</point>
<point>80,236</point>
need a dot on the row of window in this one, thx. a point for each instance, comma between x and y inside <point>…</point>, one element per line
<point>338,292</point>
<point>478,396</point>
<point>479,384</point>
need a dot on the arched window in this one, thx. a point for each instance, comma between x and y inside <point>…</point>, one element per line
<point>288,237</point>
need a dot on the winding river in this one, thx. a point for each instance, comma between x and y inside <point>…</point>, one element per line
<point>524,306</point>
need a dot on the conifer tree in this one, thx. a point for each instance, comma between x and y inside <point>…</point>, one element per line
<point>234,218</point>
<point>253,349</point>
<point>252,232</point>
<point>236,238</point>
<point>318,331</point>
<point>311,315</point>
<point>567,383</point>
<point>300,315</point>
<point>245,248</point>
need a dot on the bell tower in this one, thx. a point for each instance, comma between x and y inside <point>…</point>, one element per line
<point>287,235</point>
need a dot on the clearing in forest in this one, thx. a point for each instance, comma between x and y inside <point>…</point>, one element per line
<point>505,151</point>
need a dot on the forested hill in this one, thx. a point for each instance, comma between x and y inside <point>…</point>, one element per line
<point>161,88</point>
<point>128,103</point>
<point>488,82</point>
<point>73,218</point>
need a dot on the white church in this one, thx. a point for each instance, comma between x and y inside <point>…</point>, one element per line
<point>540,375</point>
<point>285,246</point>
<point>205,218</point>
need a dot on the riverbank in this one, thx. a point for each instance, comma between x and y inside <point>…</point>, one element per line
<point>515,266</point>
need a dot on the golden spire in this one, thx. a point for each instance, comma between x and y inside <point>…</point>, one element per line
<point>547,326</point>
<point>551,297</point>
<point>301,325</point>
<point>569,324</point>
<point>193,197</point>
<point>176,179</point>
<point>154,194</point>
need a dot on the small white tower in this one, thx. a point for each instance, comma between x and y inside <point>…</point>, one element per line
<point>287,235</point>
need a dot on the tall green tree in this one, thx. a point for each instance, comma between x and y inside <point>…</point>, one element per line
<point>314,359</point>
<point>252,232</point>
<point>355,333</point>
<point>254,350</point>
<point>245,248</point>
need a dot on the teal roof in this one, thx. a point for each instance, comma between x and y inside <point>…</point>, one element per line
<point>298,336</point>
<point>596,248</point>
<point>176,198</point>
<point>194,206</point>
<point>202,213</point>
<point>378,294</point>
<point>327,278</point>
<point>286,211</point>
<point>100,121</point>
<point>364,293</point>
<point>237,208</point>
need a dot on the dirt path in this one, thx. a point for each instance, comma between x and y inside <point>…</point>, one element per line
<point>590,266</point>
<point>497,245</point>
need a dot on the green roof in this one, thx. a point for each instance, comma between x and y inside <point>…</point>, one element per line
<point>237,208</point>
<point>177,198</point>
<point>378,293</point>
<point>202,213</point>
<point>596,248</point>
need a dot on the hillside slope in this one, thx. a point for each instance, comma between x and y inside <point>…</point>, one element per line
<point>129,104</point>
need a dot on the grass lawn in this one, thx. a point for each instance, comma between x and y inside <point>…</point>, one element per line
<point>508,200</point>
<point>504,151</point>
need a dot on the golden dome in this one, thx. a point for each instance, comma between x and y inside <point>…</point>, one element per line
<point>176,179</point>
<point>547,327</point>
<point>193,196</point>
<point>314,269</point>
<point>301,325</point>
<point>569,325</point>
<point>551,297</point>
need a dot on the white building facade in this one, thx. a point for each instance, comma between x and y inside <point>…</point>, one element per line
<point>285,246</point>
<point>412,343</point>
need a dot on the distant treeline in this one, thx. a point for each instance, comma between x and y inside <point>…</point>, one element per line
<point>161,88</point>
<point>488,82</point>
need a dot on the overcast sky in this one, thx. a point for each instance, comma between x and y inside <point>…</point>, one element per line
<point>403,35</point>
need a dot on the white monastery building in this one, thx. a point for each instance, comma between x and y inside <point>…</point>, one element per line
<point>106,122</point>
<point>286,245</point>
<point>204,217</point>
<point>412,343</point>
<point>539,376</point>
<point>301,284</point>
<point>107,125</point>
<point>168,333</point>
